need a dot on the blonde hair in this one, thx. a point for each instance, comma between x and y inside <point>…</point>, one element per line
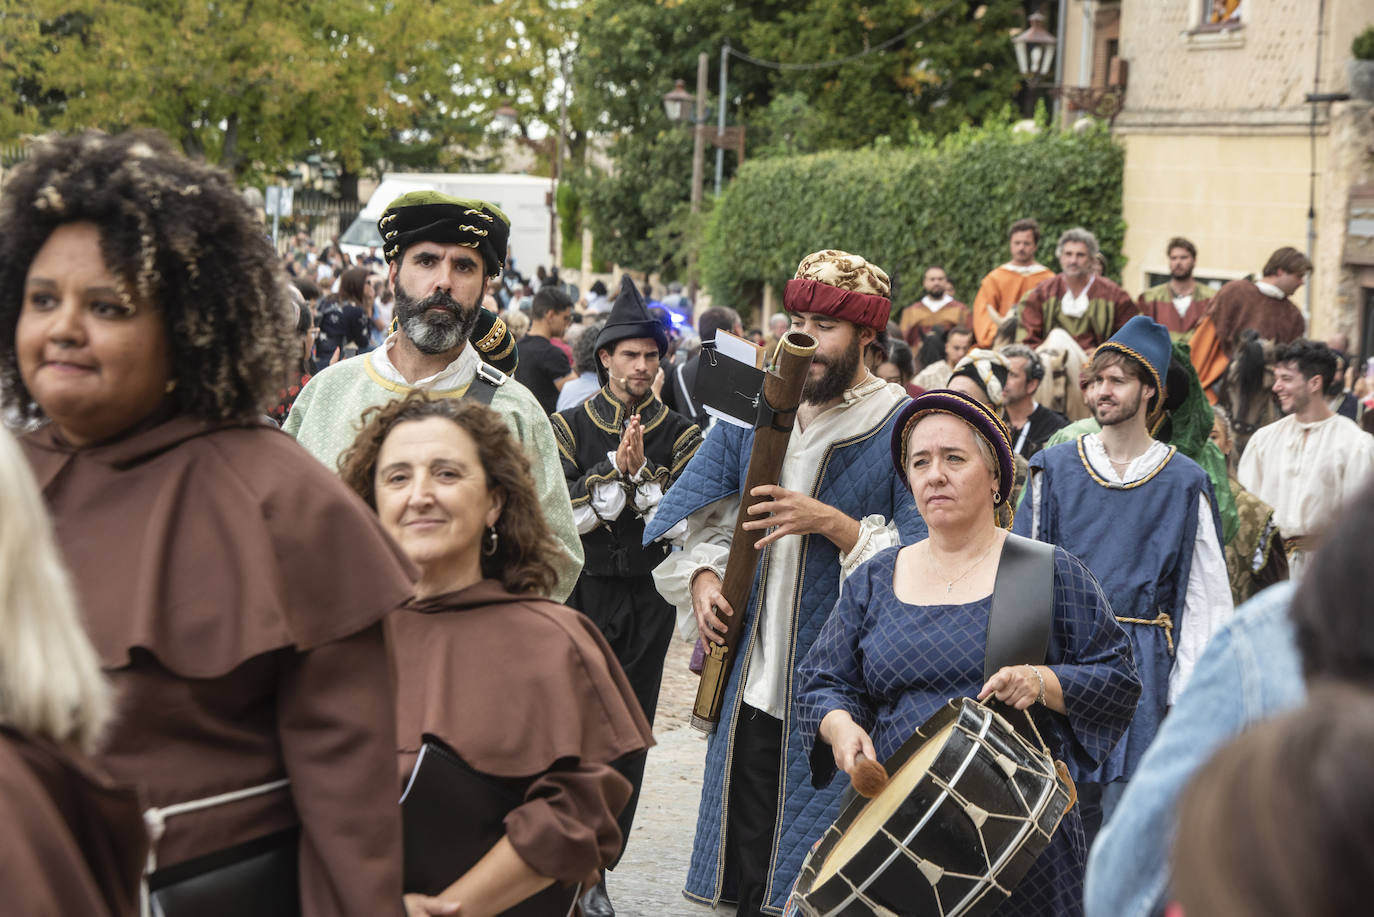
<point>50,678</point>
<point>517,321</point>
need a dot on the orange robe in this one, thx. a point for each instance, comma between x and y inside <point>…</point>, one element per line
<point>999,293</point>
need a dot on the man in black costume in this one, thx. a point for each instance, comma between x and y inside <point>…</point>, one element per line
<point>621,450</point>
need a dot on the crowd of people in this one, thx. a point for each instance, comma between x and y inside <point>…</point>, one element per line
<point>337,588</point>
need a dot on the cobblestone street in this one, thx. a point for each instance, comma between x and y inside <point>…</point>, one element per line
<point>648,881</point>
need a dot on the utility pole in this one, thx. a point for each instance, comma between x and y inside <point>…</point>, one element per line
<point>720,121</point>
<point>698,169</point>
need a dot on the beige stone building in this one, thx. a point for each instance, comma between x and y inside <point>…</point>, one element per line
<point>1223,147</point>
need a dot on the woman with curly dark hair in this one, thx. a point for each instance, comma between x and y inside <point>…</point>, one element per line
<point>233,588</point>
<point>523,692</point>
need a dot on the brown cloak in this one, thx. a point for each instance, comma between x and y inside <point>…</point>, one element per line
<point>234,589</point>
<point>523,687</point>
<point>917,320</point>
<point>1239,305</point>
<point>74,842</point>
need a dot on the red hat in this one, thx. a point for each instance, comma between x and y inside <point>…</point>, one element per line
<point>842,285</point>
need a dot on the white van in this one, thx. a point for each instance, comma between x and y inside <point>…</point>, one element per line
<point>526,199</point>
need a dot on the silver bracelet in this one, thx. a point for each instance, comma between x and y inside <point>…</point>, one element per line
<point>1041,679</point>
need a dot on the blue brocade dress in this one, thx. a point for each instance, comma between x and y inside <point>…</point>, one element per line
<point>892,666</point>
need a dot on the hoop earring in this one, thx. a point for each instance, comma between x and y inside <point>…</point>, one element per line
<point>996,497</point>
<point>490,547</point>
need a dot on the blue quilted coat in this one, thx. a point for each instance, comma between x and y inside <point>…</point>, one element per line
<point>855,476</point>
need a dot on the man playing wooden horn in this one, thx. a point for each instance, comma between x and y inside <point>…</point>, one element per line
<point>837,503</point>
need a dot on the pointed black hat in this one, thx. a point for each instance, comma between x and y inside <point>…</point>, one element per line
<point>629,318</point>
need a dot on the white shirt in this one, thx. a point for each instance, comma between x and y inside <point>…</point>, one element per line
<point>455,375</point>
<point>935,305</point>
<point>1076,306</point>
<point>1025,270</point>
<point>710,530</point>
<point>1307,472</point>
<point>1207,604</point>
<point>1182,304</point>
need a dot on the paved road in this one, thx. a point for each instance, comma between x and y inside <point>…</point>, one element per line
<point>648,881</point>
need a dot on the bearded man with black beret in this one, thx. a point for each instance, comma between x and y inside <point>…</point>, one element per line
<point>442,253</point>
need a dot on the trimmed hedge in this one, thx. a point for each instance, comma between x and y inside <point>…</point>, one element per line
<point>948,202</point>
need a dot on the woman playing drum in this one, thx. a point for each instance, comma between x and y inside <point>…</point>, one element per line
<point>910,629</point>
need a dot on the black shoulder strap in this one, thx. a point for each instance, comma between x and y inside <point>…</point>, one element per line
<point>485,383</point>
<point>1022,605</point>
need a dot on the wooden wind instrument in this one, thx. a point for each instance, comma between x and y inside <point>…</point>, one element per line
<point>778,401</point>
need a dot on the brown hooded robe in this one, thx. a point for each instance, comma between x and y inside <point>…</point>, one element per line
<point>74,842</point>
<point>234,589</point>
<point>522,687</point>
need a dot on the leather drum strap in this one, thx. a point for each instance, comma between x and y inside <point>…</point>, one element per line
<point>1022,605</point>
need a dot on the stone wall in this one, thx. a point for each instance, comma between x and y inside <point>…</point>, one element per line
<point>1255,75</point>
<point>1350,163</point>
<point>1220,144</point>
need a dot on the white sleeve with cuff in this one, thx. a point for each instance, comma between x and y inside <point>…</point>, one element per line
<point>606,501</point>
<point>706,547</point>
<point>1207,604</point>
<point>876,534</point>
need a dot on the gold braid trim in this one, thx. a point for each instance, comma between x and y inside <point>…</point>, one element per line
<point>563,437</point>
<point>1092,472</point>
<point>1297,544</point>
<point>1161,620</point>
<point>493,337</point>
<point>404,389</point>
<point>510,346</point>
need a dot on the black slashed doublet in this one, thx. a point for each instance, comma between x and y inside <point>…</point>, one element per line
<point>585,434</point>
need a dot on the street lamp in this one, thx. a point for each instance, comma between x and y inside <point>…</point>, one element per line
<point>1035,57</point>
<point>506,118</point>
<point>1035,49</point>
<point>677,104</point>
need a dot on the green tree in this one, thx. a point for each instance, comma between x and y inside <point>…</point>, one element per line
<point>253,85</point>
<point>943,202</point>
<point>639,214</point>
<point>891,71</point>
<point>629,54</point>
<point>932,66</point>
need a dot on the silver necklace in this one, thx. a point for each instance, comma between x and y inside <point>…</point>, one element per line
<point>949,587</point>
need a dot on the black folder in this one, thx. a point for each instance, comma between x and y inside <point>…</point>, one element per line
<point>259,878</point>
<point>728,385</point>
<point>451,816</point>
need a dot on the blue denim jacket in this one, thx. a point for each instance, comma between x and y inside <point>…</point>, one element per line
<point>1249,672</point>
